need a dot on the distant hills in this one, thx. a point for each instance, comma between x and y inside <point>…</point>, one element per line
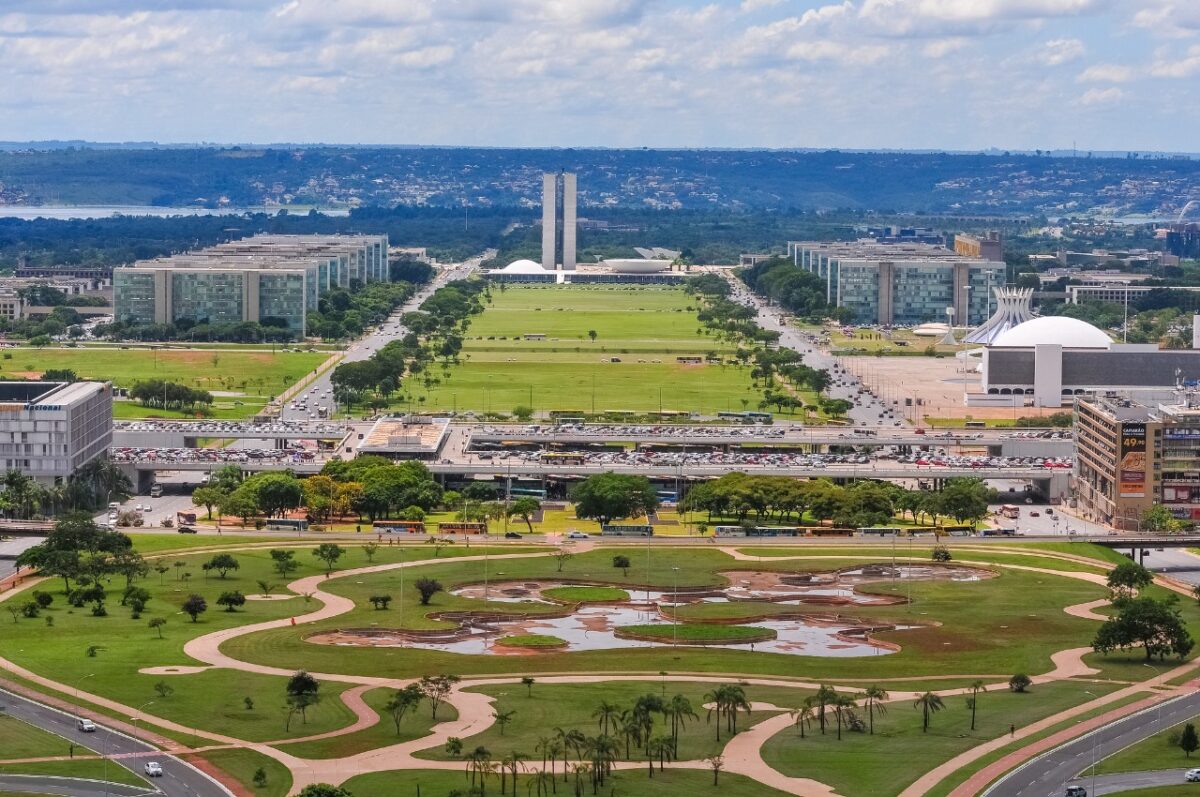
<point>995,183</point>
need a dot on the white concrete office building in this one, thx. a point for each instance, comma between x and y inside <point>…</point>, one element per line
<point>559,221</point>
<point>48,430</point>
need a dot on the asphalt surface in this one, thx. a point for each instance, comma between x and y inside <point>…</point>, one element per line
<point>179,778</point>
<point>1049,774</point>
<point>1128,781</point>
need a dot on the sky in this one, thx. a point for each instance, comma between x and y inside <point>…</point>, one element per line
<point>939,74</point>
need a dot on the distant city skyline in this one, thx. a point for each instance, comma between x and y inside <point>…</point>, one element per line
<point>867,74</point>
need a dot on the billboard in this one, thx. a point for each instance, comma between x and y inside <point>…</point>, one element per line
<point>1131,468</point>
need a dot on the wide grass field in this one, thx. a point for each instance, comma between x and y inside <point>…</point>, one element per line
<point>251,376</point>
<point>568,371</point>
<point>1160,751</point>
<point>625,783</point>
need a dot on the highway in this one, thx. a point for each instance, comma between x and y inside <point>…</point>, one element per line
<point>1049,774</point>
<point>179,779</point>
<point>1129,781</point>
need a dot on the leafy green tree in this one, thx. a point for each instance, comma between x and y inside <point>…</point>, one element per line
<point>302,691</point>
<point>207,497</point>
<point>1128,578</point>
<point>1019,682</point>
<point>222,563</point>
<point>609,496</point>
<point>283,560</point>
<point>966,499</point>
<point>329,553</point>
<point>194,606</point>
<point>623,563</point>
<point>427,588</point>
<point>242,503</point>
<point>1155,626</point>
<point>1189,742</point>
<point>157,624</point>
<point>435,688</point>
<point>403,701</point>
<point>232,600</point>
<point>525,508</point>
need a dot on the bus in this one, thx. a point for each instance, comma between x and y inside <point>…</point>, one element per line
<point>975,424</point>
<point>956,531</point>
<point>746,417</point>
<point>880,531</point>
<point>533,492</point>
<point>462,528</point>
<point>564,458</point>
<point>185,518</point>
<point>287,524</point>
<point>156,490</point>
<point>828,531</point>
<point>1011,511</point>
<point>667,496</point>
<point>398,527</point>
<point>618,530</point>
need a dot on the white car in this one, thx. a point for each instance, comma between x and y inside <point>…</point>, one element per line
<point>153,769</point>
<point>85,725</point>
<point>577,535</point>
<point>1192,776</point>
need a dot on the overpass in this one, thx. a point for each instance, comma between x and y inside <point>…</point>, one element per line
<point>188,434</point>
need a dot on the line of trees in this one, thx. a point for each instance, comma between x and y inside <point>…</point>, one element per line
<point>92,486</point>
<point>164,395</point>
<point>862,503</point>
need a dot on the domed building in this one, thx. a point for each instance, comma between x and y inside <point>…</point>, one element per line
<point>1047,361</point>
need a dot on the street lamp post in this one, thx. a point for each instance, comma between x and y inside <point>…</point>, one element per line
<point>675,607</point>
<point>1095,738</point>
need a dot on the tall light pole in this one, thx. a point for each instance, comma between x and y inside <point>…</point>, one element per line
<point>675,608</point>
<point>1095,738</point>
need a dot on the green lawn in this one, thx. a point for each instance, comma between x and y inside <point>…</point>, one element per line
<point>21,740</point>
<point>568,371</point>
<point>251,376</point>
<point>242,764</point>
<point>91,770</point>
<point>698,632</point>
<point>634,783</point>
<point>531,641</point>
<point>545,707</point>
<point>899,752</point>
<point>1159,751</point>
<point>589,594</point>
<point>415,724</point>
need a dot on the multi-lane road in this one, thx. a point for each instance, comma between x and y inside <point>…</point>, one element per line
<point>179,779</point>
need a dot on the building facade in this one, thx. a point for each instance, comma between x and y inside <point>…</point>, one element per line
<point>268,279</point>
<point>901,284</point>
<point>48,430</point>
<point>1136,451</point>
<point>989,246</point>
<point>558,221</point>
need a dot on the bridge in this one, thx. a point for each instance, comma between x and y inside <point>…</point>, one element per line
<point>188,434</point>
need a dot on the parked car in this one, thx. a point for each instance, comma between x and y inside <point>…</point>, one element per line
<point>153,769</point>
<point>187,530</point>
<point>85,725</point>
<point>577,535</point>
<point>512,535</point>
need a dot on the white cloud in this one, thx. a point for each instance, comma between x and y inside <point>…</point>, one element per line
<point>1106,73</point>
<point>940,48</point>
<point>1060,51</point>
<point>1102,96</point>
<point>1177,67</point>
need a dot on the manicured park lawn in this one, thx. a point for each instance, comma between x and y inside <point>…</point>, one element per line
<point>415,724</point>
<point>899,751</point>
<point>91,770</point>
<point>582,594</point>
<point>242,764</point>
<point>632,783</point>
<point>21,740</point>
<point>568,371</point>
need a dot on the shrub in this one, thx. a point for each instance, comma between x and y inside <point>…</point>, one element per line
<point>1020,682</point>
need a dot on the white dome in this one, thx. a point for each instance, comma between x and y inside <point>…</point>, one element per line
<point>1071,333</point>
<point>637,266</point>
<point>523,267</point>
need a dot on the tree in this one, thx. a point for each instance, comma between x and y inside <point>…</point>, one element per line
<point>875,697</point>
<point>503,718</point>
<point>194,606</point>
<point>241,503</point>
<point>427,587</point>
<point>610,496</point>
<point>965,499</point>
<point>302,690</point>
<point>323,790</point>
<point>1189,742</point>
<point>207,497</point>
<point>525,508</point>
<point>284,561</point>
<point>941,553</point>
<point>1159,520</point>
<point>370,549</point>
<point>157,623</point>
<point>622,562</point>
<point>562,556</point>
<point>164,689</point>
<point>276,492</point>
<point>716,763</point>
<point>402,702</point>
<point>436,687</point>
<point>380,602</point>
<point>329,553</point>
<point>1154,625</point>
<point>527,682</point>
<point>522,413</point>
<point>591,333</point>
<point>1019,682</point>
<point>929,704</point>
<point>973,701</point>
<point>1128,578</point>
<point>222,563</point>
<point>231,600</point>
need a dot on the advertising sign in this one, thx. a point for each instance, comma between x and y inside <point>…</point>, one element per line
<point>1131,469</point>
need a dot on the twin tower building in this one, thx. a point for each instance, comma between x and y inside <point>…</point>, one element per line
<point>558,221</point>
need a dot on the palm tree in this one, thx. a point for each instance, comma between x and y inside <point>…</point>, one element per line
<point>929,703</point>
<point>631,729</point>
<point>606,712</point>
<point>569,740</point>
<point>663,747</point>
<point>579,770</point>
<point>542,781</point>
<point>737,701</point>
<point>973,701</point>
<point>841,709</point>
<point>823,697</point>
<point>680,711</point>
<point>543,747</point>
<point>804,715</point>
<point>717,699</point>
<point>511,763</point>
<point>480,765</point>
<point>874,697</point>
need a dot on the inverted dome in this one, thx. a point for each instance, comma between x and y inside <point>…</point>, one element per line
<point>1070,333</point>
<point>637,266</point>
<point>523,267</point>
